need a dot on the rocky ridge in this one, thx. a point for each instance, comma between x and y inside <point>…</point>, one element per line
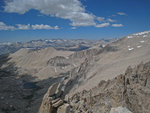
<point>127,93</point>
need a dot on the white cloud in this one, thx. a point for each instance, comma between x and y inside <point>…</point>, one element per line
<point>23,27</point>
<point>100,19</point>
<point>103,25</point>
<point>117,25</point>
<point>36,26</point>
<point>121,13</point>
<point>3,26</point>
<point>42,26</point>
<point>72,10</point>
<point>110,20</point>
<point>55,27</point>
<point>65,9</point>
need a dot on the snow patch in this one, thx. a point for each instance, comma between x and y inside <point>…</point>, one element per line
<point>51,41</point>
<point>130,49</point>
<point>142,41</point>
<point>130,37</point>
<point>103,45</point>
<point>142,33</point>
<point>139,46</point>
<point>145,36</point>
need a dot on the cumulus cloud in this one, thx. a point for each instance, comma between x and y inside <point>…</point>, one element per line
<point>72,10</point>
<point>103,25</point>
<point>55,27</point>
<point>42,26</point>
<point>100,19</point>
<point>121,13</point>
<point>117,25</point>
<point>3,26</point>
<point>110,20</point>
<point>65,9</point>
<point>23,27</point>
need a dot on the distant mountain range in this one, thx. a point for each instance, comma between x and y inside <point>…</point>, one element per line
<point>59,44</point>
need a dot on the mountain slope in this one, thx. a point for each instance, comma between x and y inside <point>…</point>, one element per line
<point>30,72</point>
<point>35,62</point>
<point>115,58</point>
<point>126,91</point>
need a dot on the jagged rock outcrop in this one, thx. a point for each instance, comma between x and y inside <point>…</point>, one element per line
<point>59,61</point>
<point>64,109</point>
<point>130,90</point>
<point>86,53</point>
<point>53,100</point>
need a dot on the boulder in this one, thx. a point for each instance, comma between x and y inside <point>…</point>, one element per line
<point>58,91</point>
<point>64,109</point>
<point>51,100</point>
<point>57,103</point>
<point>52,90</point>
<point>46,106</point>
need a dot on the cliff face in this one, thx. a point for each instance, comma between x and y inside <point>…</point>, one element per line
<point>129,92</point>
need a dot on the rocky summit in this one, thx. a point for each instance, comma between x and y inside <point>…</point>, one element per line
<point>92,80</point>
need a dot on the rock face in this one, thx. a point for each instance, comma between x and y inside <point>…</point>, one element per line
<point>59,61</point>
<point>53,101</point>
<point>124,94</point>
<point>120,110</point>
<point>64,109</point>
<point>52,89</point>
<point>130,90</point>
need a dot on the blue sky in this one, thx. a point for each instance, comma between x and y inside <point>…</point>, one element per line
<point>24,20</point>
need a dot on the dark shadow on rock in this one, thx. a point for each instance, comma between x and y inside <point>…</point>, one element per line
<point>3,59</point>
<point>21,93</point>
<point>109,48</point>
<point>15,91</point>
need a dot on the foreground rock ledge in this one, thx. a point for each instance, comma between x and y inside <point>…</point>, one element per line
<point>53,102</point>
<point>128,93</point>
